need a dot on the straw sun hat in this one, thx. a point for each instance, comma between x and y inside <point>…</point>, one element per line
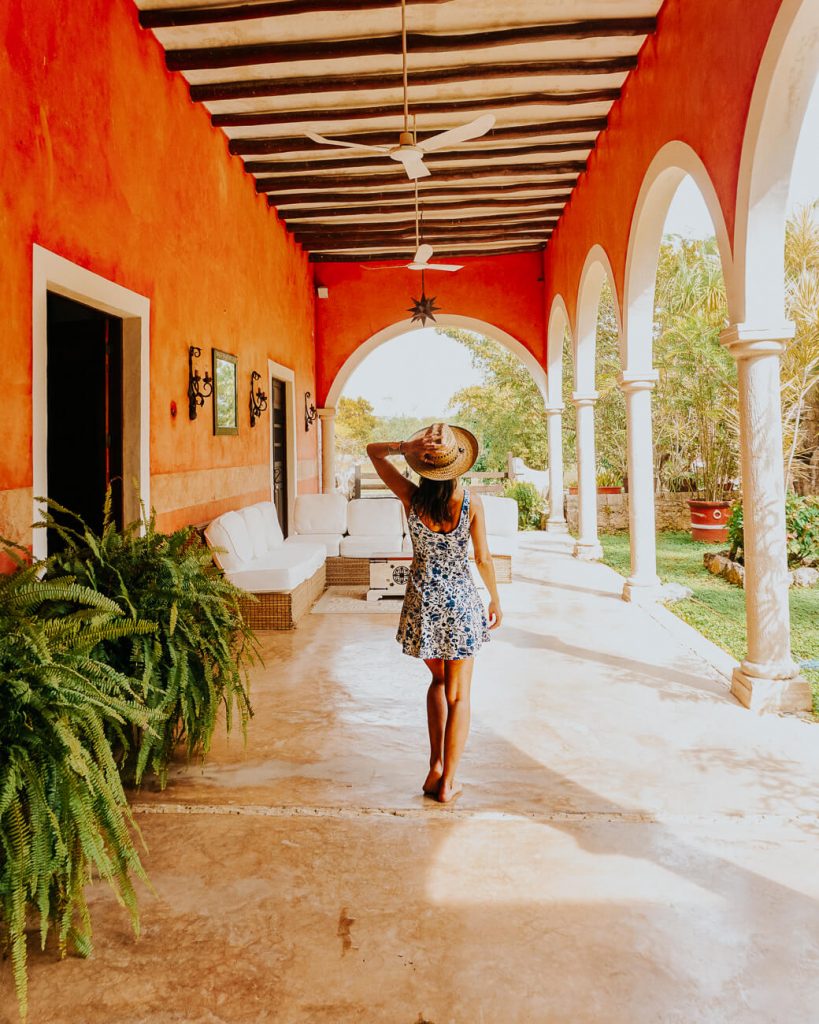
<point>459,451</point>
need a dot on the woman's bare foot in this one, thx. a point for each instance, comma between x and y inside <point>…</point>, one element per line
<point>433,780</point>
<point>448,791</point>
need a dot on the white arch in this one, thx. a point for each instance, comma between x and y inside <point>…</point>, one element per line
<point>784,81</point>
<point>662,179</point>
<point>596,271</point>
<point>558,325</point>
<point>467,323</point>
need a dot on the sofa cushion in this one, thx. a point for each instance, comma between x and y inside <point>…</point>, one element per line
<point>279,570</point>
<point>257,531</point>
<point>364,546</point>
<point>320,513</point>
<point>372,517</point>
<point>228,536</point>
<point>331,541</point>
<point>501,515</point>
<point>272,528</point>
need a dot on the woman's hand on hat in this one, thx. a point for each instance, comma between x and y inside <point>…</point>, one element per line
<point>429,444</point>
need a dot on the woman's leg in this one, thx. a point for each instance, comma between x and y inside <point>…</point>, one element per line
<point>457,683</point>
<point>436,723</point>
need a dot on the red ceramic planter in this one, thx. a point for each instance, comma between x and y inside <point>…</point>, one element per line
<point>709,520</point>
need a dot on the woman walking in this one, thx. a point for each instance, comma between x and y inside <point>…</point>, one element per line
<point>443,619</point>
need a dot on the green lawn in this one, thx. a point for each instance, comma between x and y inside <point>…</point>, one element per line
<point>717,608</point>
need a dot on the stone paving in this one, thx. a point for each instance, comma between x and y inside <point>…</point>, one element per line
<point>631,845</point>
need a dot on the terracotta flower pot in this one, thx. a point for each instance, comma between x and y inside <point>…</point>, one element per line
<point>709,520</point>
<point>609,490</point>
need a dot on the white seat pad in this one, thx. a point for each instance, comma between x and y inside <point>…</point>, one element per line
<point>331,541</point>
<point>500,514</point>
<point>320,514</point>
<point>370,517</point>
<point>363,546</point>
<point>282,569</point>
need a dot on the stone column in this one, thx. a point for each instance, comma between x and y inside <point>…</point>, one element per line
<point>587,546</point>
<point>327,418</point>
<point>643,584</point>
<point>556,522</point>
<point>767,679</point>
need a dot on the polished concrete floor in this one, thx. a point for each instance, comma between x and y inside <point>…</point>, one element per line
<point>631,846</point>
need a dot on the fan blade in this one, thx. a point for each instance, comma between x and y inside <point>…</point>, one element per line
<point>473,130</point>
<point>444,266</point>
<point>344,145</point>
<point>413,163</point>
<point>423,254</point>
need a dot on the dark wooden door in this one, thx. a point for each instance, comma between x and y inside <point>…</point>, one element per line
<point>278,424</point>
<point>84,411</point>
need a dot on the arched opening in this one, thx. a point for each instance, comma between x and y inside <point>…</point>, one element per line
<point>679,294</point>
<point>486,346</point>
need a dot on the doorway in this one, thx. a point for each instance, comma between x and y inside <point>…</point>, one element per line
<point>84,411</point>
<point>278,426</point>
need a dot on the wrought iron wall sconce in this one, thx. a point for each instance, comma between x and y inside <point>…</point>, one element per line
<point>310,411</point>
<point>199,388</point>
<point>258,399</point>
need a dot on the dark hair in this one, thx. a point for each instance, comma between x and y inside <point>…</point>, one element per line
<point>431,500</point>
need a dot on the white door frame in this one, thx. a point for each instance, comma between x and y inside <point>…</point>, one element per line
<point>53,273</point>
<point>287,375</point>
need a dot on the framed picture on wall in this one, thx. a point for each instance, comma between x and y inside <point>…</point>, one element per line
<point>225,393</point>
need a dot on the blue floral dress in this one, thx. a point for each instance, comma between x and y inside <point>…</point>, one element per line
<point>443,615</point>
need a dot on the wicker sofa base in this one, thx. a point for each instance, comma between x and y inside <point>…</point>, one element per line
<point>348,572</point>
<point>355,572</point>
<point>283,610</point>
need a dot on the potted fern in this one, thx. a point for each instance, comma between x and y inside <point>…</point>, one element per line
<point>63,812</point>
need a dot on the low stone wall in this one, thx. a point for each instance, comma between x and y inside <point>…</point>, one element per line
<point>671,511</point>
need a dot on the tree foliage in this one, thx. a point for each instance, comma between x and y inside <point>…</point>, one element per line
<point>506,410</point>
<point>355,423</point>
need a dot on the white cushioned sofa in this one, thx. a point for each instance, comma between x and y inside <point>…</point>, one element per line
<point>285,576</point>
<point>374,526</point>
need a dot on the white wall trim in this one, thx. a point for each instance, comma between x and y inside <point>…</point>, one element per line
<point>443,320</point>
<point>53,273</point>
<point>285,373</point>
<point>596,271</point>
<point>670,165</point>
<point>782,89</point>
<point>558,325</point>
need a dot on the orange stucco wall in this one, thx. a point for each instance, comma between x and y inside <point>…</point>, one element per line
<point>693,83</point>
<point>107,163</point>
<point>505,291</point>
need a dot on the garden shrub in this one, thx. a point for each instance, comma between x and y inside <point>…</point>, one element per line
<point>801,525</point>
<point>531,504</point>
<point>63,812</point>
<point>195,662</point>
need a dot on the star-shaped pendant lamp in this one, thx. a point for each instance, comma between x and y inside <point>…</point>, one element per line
<point>423,309</point>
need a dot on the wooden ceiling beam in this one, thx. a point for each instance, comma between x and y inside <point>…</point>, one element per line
<point>480,247</point>
<point>451,235</point>
<point>306,215</point>
<point>312,84</point>
<point>435,161</point>
<point>450,108</point>
<point>203,57</point>
<point>175,17</point>
<point>308,183</point>
<point>428,191</point>
<point>386,257</point>
<point>489,221</point>
<point>309,150</point>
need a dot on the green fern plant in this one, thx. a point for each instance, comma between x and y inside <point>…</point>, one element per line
<point>63,812</point>
<point>197,660</point>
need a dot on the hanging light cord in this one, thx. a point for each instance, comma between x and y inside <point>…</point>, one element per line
<point>404,61</point>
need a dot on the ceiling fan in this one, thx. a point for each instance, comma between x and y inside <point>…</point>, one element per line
<point>423,251</point>
<point>409,151</point>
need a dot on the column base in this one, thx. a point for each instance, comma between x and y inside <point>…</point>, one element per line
<point>638,592</point>
<point>557,526</point>
<point>588,551</point>
<point>766,695</point>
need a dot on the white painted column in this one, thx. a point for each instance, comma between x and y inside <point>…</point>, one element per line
<point>588,545</point>
<point>556,522</point>
<point>327,418</point>
<point>643,584</point>
<point>768,679</point>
